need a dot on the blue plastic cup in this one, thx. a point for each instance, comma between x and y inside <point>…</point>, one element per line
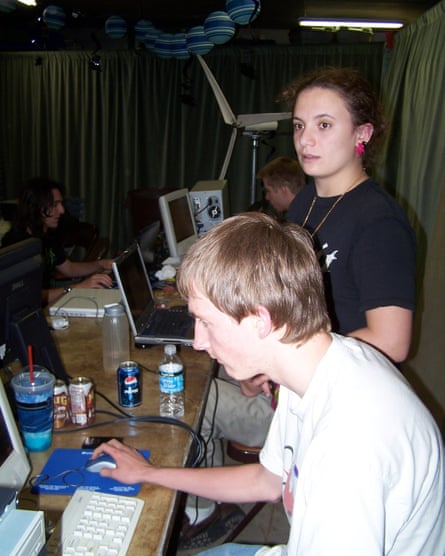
<point>34,403</point>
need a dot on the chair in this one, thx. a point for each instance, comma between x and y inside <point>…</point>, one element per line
<point>243,454</point>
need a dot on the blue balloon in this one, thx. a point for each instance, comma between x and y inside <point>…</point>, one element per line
<point>179,47</point>
<point>116,27</point>
<point>219,27</point>
<point>54,17</point>
<point>243,11</point>
<point>197,41</point>
<point>164,45</point>
<point>141,29</point>
<point>150,38</point>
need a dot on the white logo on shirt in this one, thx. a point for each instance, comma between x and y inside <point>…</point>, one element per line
<point>326,259</point>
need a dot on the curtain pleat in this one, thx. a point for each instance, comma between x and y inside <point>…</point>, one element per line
<point>144,121</point>
<point>413,168</point>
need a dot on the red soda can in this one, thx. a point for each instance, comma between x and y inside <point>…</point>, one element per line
<point>82,400</point>
<point>61,404</point>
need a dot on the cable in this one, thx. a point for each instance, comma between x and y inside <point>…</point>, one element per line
<point>198,449</point>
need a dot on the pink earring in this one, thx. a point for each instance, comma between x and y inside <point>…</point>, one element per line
<point>360,148</point>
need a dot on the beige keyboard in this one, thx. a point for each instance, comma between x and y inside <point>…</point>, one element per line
<point>95,524</point>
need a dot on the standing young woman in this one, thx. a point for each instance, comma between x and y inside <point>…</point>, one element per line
<point>363,239</point>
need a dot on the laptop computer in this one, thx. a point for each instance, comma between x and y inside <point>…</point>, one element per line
<point>149,324</point>
<point>85,302</point>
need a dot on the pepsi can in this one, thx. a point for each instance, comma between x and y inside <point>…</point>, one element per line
<point>129,385</point>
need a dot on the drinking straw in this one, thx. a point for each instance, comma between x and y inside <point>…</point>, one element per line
<point>30,365</point>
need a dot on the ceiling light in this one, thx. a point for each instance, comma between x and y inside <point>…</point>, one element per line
<point>349,23</point>
<point>28,2</point>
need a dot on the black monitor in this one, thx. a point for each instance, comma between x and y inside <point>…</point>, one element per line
<point>22,322</point>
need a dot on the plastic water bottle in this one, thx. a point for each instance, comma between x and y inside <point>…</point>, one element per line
<point>171,383</point>
<point>115,337</point>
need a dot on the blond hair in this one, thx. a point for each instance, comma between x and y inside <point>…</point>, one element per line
<point>251,260</point>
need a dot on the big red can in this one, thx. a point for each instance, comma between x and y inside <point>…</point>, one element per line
<point>61,404</point>
<point>129,386</point>
<point>82,400</point>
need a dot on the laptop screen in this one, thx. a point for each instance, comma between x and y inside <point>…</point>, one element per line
<point>133,279</point>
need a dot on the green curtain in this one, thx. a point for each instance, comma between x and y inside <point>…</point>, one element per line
<point>413,168</point>
<point>145,122</point>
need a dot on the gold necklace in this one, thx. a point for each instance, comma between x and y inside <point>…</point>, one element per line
<point>325,217</point>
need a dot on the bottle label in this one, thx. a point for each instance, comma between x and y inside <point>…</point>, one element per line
<point>171,378</point>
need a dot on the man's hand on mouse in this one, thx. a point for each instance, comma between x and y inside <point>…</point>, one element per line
<point>131,464</point>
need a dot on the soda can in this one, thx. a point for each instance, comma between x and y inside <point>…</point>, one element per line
<point>129,385</point>
<point>82,400</point>
<point>61,404</point>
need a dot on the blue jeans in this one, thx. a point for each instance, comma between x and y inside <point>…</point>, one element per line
<point>232,549</point>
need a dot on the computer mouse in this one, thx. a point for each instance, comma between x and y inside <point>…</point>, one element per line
<point>59,323</point>
<point>104,461</point>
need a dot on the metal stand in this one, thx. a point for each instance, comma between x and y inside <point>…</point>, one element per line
<point>255,142</point>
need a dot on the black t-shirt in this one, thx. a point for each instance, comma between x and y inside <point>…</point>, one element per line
<point>53,253</point>
<point>366,248</point>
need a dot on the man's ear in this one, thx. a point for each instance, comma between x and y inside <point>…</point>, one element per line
<point>263,322</point>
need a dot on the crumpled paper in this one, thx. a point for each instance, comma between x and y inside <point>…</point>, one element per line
<point>167,272</point>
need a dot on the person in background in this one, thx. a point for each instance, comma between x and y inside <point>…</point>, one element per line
<point>39,209</point>
<point>354,455</point>
<point>364,242</point>
<point>282,179</point>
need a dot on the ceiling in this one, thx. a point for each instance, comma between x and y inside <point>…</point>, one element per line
<point>180,15</point>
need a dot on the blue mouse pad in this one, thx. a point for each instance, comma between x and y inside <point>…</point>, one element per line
<point>65,471</point>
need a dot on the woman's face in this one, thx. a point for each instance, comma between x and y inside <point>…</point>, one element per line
<point>324,135</point>
<point>54,212</point>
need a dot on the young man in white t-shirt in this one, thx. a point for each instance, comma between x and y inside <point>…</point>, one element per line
<point>354,455</point>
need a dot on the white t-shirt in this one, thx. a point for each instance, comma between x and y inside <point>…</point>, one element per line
<point>361,460</point>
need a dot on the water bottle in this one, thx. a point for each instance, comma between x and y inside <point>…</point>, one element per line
<point>171,383</point>
<point>115,337</point>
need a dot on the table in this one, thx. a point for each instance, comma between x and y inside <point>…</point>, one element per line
<point>80,348</point>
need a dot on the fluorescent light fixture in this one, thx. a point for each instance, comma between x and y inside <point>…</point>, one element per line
<point>349,23</point>
<point>28,2</point>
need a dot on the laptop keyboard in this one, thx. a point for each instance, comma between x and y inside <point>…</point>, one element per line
<point>169,322</point>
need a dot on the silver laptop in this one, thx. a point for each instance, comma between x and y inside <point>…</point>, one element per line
<point>149,324</point>
<point>85,302</point>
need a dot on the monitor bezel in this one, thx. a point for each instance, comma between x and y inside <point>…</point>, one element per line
<point>15,470</point>
<point>176,248</point>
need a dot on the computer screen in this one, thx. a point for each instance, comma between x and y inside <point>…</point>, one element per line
<point>178,221</point>
<point>22,322</point>
<point>14,463</point>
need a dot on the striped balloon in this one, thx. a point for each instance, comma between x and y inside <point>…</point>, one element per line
<point>115,27</point>
<point>141,29</point>
<point>243,11</point>
<point>54,17</point>
<point>197,41</point>
<point>219,27</point>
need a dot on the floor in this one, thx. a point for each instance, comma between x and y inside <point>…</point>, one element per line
<point>269,526</point>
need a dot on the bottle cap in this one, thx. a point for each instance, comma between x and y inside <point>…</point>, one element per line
<point>170,349</point>
<point>114,309</point>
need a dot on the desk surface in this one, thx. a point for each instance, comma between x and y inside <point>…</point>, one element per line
<point>80,348</point>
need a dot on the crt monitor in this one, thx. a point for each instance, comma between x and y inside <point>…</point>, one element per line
<point>22,322</point>
<point>14,463</point>
<point>178,221</point>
